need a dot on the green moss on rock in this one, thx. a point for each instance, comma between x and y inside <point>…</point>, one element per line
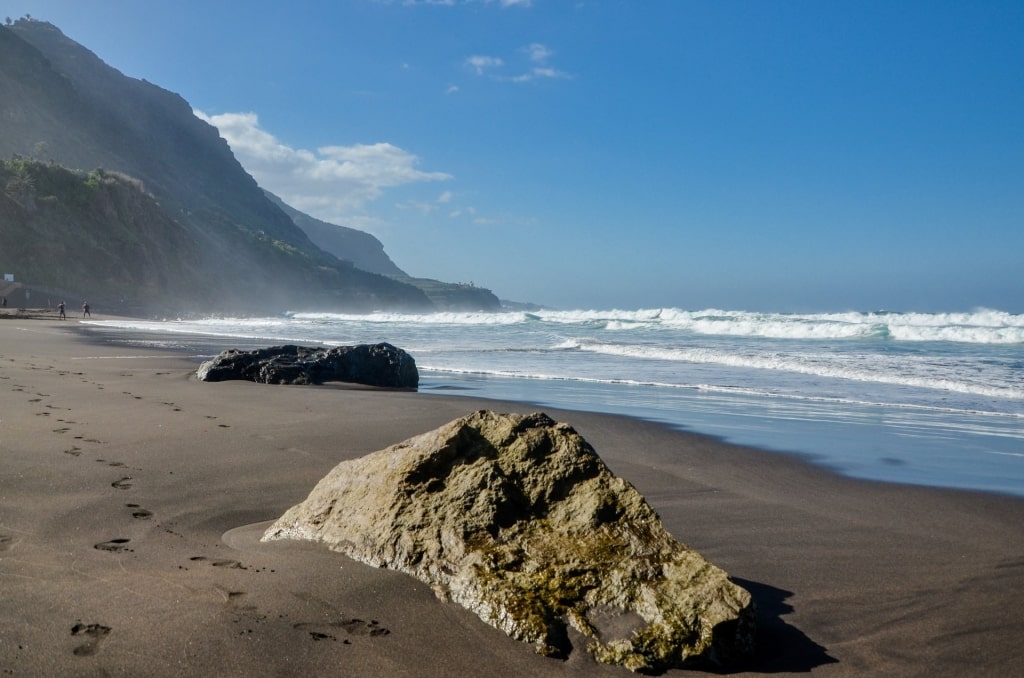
<point>517,519</point>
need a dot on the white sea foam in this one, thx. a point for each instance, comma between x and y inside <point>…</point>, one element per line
<point>878,369</point>
<point>983,326</point>
<point>445,318</point>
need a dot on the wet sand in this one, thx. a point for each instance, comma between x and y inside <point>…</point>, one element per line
<point>132,499</point>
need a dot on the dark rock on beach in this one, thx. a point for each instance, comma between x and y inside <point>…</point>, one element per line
<point>517,519</point>
<point>370,364</point>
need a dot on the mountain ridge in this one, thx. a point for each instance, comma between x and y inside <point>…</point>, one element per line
<point>367,252</point>
<point>61,105</point>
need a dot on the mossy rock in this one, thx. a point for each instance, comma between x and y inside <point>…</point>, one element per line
<point>518,519</point>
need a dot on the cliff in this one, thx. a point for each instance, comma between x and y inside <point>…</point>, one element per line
<point>60,104</point>
<point>95,235</point>
<point>348,244</point>
<point>366,252</point>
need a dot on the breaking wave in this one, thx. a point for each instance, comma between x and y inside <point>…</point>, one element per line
<point>983,326</point>
<point>896,370</point>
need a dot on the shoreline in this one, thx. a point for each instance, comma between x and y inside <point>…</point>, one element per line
<point>887,440</point>
<point>131,500</point>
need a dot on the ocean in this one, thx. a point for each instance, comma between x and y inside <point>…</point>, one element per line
<point>923,398</point>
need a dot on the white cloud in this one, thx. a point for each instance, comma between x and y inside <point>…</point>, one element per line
<point>547,72</point>
<point>334,183</point>
<point>538,52</point>
<point>452,89</point>
<point>481,63</point>
<point>538,73</point>
<point>427,207</point>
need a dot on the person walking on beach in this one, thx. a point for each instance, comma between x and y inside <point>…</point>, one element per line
<point>85,309</point>
<point>60,311</point>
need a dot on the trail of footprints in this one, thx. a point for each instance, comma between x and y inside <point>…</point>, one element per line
<point>92,635</point>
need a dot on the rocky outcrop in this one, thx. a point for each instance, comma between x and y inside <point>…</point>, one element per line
<point>371,364</point>
<point>517,519</point>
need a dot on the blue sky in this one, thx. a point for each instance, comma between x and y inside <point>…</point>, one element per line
<point>756,155</point>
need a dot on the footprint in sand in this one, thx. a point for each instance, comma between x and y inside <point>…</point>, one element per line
<point>74,451</point>
<point>232,564</point>
<point>353,627</point>
<point>317,635</point>
<point>64,429</point>
<point>122,484</point>
<point>229,595</point>
<point>6,542</point>
<point>114,545</point>
<point>93,633</point>
<point>139,513</point>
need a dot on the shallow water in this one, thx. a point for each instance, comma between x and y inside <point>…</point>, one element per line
<point>932,399</point>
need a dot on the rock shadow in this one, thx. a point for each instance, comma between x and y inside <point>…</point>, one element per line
<point>780,647</point>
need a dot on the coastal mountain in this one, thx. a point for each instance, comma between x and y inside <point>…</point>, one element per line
<point>153,211</point>
<point>367,253</point>
<point>348,244</point>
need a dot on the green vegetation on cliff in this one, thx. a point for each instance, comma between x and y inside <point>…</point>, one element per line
<point>190,231</point>
<point>96,236</point>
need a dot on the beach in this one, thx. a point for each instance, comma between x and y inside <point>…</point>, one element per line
<point>132,499</point>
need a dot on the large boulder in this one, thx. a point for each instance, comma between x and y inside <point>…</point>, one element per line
<point>517,519</point>
<point>372,364</point>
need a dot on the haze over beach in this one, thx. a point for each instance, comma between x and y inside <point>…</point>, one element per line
<point>794,156</point>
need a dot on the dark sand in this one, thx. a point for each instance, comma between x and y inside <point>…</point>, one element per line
<point>132,498</point>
